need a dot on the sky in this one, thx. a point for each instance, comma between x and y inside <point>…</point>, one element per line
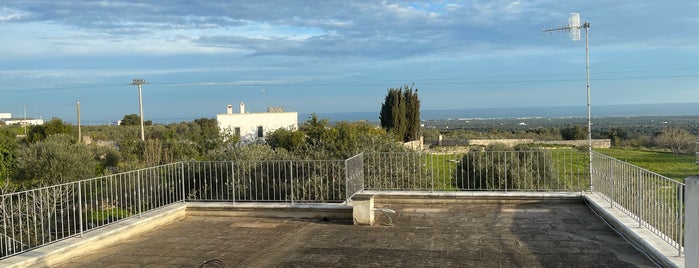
<point>337,56</point>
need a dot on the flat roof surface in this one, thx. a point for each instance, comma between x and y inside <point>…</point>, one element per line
<point>422,235</point>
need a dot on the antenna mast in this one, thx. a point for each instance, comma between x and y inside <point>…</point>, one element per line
<point>573,30</point>
<point>264,91</point>
<point>138,82</point>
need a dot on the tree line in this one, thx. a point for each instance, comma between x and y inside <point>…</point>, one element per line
<point>51,153</point>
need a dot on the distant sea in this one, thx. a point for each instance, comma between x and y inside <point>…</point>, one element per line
<point>625,110</point>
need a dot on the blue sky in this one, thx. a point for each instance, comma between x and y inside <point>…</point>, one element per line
<point>337,56</point>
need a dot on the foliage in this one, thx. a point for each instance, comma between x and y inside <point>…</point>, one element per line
<point>134,120</point>
<point>57,159</point>
<point>208,137</point>
<point>400,113</point>
<point>500,168</point>
<point>289,140</point>
<point>54,126</point>
<point>8,152</point>
<point>314,129</point>
<point>575,132</point>
<point>677,140</point>
<point>412,114</point>
<point>616,135</point>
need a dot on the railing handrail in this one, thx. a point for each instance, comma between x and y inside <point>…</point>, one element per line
<point>594,153</point>
<point>634,195</point>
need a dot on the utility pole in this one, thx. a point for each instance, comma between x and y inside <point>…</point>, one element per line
<point>138,82</point>
<point>573,29</point>
<point>80,135</point>
<point>24,123</point>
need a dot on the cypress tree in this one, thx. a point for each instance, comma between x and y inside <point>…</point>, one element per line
<point>400,113</point>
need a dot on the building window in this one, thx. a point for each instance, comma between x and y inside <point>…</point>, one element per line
<point>237,132</point>
<point>260,132</point>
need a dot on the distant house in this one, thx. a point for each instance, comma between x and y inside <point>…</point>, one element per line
<point>8,120</point>
<point>250,126</point>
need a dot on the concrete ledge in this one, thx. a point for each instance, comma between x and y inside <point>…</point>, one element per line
<point>271,210</point>
<point>55,253</point>
<point>656,248</point>
<point>364,202</point>
<point>423,197</point>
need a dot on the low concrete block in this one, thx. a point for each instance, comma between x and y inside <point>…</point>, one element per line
<point>363,209</point>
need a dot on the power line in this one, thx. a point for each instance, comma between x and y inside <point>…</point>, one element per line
<point>463,80</point>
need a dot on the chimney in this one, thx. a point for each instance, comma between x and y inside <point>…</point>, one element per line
<point>242,107</point>
<point>229,109</point>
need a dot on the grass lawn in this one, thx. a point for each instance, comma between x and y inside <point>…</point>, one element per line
<point>675,166</point>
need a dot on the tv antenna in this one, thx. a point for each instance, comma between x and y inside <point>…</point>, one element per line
<point>573,30</point>
<point>264,91</point>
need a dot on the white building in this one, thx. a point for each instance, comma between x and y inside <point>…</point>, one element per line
<point>8,120</point>
<point>249,126</point>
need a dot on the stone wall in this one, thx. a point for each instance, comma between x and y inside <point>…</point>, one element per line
<point>416,144</point>
<point>508,142</point>
<point>596,143</point>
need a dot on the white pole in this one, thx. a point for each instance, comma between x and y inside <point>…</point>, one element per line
<point>587,78</point>
<point>24,123</point>
<point>140,108</point>
<point>80,136</point>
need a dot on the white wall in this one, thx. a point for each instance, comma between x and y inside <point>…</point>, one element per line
<point>20,121</point>
<point>249,122</point>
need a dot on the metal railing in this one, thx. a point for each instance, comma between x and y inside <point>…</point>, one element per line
<point>549,170</point>
<point>318,181</point>
<point>45,215</point>
<point>41,216</point>
<point>656,202</point>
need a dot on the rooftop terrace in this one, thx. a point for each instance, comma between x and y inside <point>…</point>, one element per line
<point>533,209</point>
<point>514,234</point>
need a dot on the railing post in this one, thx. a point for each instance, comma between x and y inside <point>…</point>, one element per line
<point>138,190</point>
<point>80,208</point>
<point>431,169</point>
<point>233,180</point>
<point>347,178</point>
<point>184,198</point>
<point>291,174</point>
<point>691,224</point>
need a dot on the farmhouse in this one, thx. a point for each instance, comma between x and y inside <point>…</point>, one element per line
<point>250,126</point>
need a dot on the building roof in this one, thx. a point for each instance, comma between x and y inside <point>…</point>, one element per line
<point>423,234</point>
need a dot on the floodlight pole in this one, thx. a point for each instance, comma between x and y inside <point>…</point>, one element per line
<point>138,82</point>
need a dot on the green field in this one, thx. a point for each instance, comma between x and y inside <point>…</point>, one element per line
<point>675,166</point>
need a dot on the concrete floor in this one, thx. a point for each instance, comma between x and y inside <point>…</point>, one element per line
<point>423,235</point>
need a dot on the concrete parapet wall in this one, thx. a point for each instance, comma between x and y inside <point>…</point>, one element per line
<point>271,210</point>
<point>655,248</point>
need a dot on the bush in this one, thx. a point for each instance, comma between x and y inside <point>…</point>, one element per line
<point>500,167</point>
<point>58,159</point>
